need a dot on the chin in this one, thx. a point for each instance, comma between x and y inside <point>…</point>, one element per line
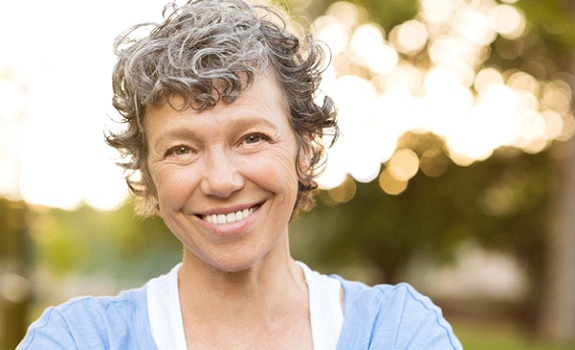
<point>231,263</point>
<point>235,267</point>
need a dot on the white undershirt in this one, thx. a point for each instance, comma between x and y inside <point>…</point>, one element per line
<point>165,316</point>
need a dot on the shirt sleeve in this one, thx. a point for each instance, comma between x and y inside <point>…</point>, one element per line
<point>421,324</point>
<point>93,323</point>
<point>50,331</point>
<point>393,317</point>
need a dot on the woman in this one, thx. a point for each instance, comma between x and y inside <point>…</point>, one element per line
<point>224,136</point>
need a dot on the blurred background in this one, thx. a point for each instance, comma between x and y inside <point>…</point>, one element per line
<point>455,171</point>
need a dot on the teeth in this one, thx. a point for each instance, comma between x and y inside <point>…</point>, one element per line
<point>229,218</point>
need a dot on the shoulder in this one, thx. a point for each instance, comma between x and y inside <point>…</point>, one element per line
<point>87,307</point>
<point>396,316</point>
<point>385,295</point>
<point>92,322</point>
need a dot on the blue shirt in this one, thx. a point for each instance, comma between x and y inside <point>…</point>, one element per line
<point>392,317</point>
<point>380,317</point>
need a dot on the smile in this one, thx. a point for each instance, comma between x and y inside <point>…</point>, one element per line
<point>221,219</point>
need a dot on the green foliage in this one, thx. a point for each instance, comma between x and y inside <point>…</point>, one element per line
<point>389,13</point>
<point>501,336</point>
<point>552,20</point>
<point>13,232</point>
<point>117,242</point>
<point>500,203</point>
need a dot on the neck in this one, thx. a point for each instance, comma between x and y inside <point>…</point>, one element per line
<point>268,285</point>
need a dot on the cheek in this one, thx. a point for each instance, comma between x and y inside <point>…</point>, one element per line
<point>277,173</point>
<point>174,186</point>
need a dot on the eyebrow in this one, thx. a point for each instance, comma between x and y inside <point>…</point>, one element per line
<point>239,122</point>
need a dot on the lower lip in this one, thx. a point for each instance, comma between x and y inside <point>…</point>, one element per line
<point>233,229</point>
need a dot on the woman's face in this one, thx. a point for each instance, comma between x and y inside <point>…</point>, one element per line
<point>226,177</point>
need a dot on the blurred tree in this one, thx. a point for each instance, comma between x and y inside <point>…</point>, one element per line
<point>388,13</point>
<point>517,202</point>
<point>14,266</point>
<point>557,314</point>
<point>116,242</point>
<point>434,215</point>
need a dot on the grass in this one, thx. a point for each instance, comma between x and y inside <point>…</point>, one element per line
<point>499,336</point>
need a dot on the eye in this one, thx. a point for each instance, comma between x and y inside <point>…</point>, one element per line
<point>178,151</point>
<point>254,138</point>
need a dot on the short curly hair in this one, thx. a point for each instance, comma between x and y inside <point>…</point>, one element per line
<point>223,42</point>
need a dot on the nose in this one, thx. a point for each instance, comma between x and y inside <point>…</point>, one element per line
<point>220,177</point>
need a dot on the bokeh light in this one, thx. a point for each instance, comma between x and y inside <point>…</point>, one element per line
<point>429,75</point>
<point>410,37</point>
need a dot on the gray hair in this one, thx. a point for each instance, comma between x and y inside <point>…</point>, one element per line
<point>223,42</point>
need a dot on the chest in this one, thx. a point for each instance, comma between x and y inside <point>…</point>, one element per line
<point>287,334</point>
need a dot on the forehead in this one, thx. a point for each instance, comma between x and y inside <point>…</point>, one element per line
<point>264,98</point>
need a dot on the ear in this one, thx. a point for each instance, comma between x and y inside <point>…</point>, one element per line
<point>305,155</point>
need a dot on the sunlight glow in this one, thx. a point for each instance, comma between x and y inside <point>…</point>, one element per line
<point>52,149</point>
<point>391,184</point>
<point>508,21</point>
<point>437,12</point>
<point>404,164</point>
<point>474,109</point>
<point>409,37</point>
<point>333,33</point>
<point>343,193</point>
<point>368,43</point>
<point>472,24</point>
<point>428,75</point>
<point>487,78</point>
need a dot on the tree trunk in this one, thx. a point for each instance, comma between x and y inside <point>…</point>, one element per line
<point>14,288</point>
<point>557,320</point>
